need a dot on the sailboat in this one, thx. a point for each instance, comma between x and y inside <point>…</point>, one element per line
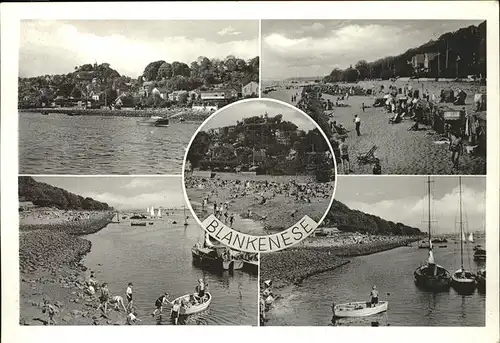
<point>462,280</point>
<point>471,238</point>
<point>430,275</point>
<point>116,218</point>
<point>152,211</point>
<point>159,213</point>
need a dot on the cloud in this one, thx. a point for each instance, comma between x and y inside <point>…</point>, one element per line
<point>444,210</point>
<point>142,183</point>
<point>228,31</point>
<point>53,47</point>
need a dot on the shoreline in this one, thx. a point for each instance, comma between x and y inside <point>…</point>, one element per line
<point>189,116</point>
<point>305,259</point>
<point>51,267</point>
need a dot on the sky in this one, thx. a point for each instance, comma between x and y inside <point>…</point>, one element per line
<point>305,48</point>
<point>230,114</point>
<point>124,193</point>
<point>404,199</point>
<point>56,47</point>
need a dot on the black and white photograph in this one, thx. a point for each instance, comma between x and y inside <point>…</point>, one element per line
<point>396,96</point>
<point>121,251</point>
<point>259,166</point>
<point>125,96</point>
<point>392,251</point>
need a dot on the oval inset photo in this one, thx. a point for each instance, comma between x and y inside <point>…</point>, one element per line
<point>259,176</point>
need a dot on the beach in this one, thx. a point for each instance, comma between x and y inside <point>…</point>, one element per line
<point>243,193</point>
<point>399,150</point>
<point>50,254</point>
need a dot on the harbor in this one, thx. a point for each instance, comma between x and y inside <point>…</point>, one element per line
<point>69,268</point>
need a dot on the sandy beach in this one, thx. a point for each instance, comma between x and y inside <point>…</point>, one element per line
<point>280,209</point>
<point>401,151</point>
<point>50,254</point>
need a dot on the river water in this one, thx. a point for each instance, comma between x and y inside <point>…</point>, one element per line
<point>157,259</point>
<point>392,272</point>
<point>62,144</point>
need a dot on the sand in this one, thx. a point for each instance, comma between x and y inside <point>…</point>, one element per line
<point>399,150</point>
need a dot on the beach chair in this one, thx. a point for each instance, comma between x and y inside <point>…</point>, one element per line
<point>367,157</point>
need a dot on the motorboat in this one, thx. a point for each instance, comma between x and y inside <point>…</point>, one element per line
<point>360,309</point>
<point>156,121</point>
<point>193,308</point>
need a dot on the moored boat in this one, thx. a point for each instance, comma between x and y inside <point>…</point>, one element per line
<point>138,223</point>
<point>480,255</point>
<point>156,121</point>
<point>462,280</point>
<point>431,276</point>
<point>360,309</point>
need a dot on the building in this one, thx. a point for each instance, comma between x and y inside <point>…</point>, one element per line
<point>417,61</point>
<point>215,95</point>
<point>250,89</point>
<point>176,95</point>
<point>430,60</point>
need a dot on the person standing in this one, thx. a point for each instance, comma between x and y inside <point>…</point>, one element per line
<point>363,106</point>
<point>130,301</point>
<point>344,153</point>
<point>374,296</point>
<point>456,148</point>
<point>104,298</point>
<point>357,122</point>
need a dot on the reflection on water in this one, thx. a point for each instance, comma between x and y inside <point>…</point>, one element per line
<point>157,259</point>
<point>392,272</point>
<point>62,144</point>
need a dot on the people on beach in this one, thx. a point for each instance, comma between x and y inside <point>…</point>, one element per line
<point>117,301</point>
<point>374,296</point>
<point>162,300</point>
<point>51,312</point>
<point>344,151</point>
<point>104,298</point>
<point>130,300</point>
<point>132,317</point>
<point>357,122</point>
<point>363,106</point>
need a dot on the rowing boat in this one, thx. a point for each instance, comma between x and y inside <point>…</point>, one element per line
<point>191,308</point>
<point>359,309</point>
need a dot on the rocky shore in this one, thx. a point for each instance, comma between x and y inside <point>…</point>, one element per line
<point>317,255</point>
<point>50,269</point>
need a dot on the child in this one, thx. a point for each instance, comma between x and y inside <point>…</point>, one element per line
<point>163,299</point>
<point>132,317</point>
<point>51,311</point>
<point>117,301</point>
<point>130,301</point>
<point>175,311</point>
<point>104,298</point>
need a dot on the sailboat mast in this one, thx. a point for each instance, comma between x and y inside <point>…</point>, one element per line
<point>429,207</point>
<point>461,228</point>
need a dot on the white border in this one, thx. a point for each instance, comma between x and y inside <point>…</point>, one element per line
<point>12,13</point>
<point>286,229</point>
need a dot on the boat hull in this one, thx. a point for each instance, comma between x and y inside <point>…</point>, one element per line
<point>359,309</point>
<point>205,260</point>
<point>186,311</point>
<point>463,286</point>
<point>440,282</point>
<point>138,224</point>
<point>251,266</point>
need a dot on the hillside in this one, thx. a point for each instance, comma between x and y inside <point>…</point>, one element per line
<point>88,80</point>
<point>467,45</point>
<point>349,220</point>
<point>42,194</point>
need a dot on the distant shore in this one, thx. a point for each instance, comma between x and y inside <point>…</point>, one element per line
<point>318,255</point>
<point>189,115</point>
<point>50,254</point>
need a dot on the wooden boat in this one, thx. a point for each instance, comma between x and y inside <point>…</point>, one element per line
<point>191,308</point>
<point>138,223</point>
<point>155,121</point>
<point>480,255</point>
<point>431,276</point>
<point>359,309</point>
<point>462,280</point>
<point>423,244</point>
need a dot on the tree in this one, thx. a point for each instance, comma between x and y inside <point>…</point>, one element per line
<point>350,75</point>
<point>76,93</point>
<point>198,148</point>
<point>151,70</point>
<point>363,69</point>
<point>165,71</point>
